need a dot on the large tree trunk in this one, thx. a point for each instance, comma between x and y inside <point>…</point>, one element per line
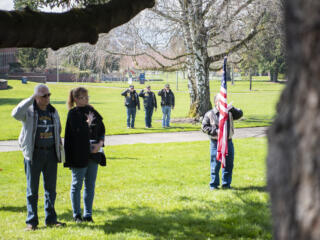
<point>201,59</point>
<point>294,152</point>
<point>29,28</point>
<point>192,86</point>
<point>190,62</point>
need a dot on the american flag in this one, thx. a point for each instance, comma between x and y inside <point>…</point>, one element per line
<point>223,119</point>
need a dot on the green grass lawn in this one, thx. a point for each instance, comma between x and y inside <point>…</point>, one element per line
<point>156,191</point>
<point>258,105</point>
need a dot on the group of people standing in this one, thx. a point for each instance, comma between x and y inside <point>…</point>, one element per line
<point>42,146</point>
<point>132,102</point>
<point>42,149</point>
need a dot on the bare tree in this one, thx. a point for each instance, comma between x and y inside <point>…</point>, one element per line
<point>210,30</point>
<point>293,155</point>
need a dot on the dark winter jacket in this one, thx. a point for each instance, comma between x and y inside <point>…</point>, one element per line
<point>167,98</point>
<point>149,99</point>
<point>131,99</point>
<point>78,135</point>
<point>210,123</point>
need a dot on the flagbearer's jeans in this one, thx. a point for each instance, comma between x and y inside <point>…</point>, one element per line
<point>215,165</point>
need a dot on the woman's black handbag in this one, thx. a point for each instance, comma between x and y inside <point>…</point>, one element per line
<point>98,157</point>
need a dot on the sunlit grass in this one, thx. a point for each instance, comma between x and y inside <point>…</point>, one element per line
<point>258,106</point>
<point>156,191</point>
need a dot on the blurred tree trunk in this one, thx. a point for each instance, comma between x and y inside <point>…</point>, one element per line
<point>274,72</point>
<point>294,152</point>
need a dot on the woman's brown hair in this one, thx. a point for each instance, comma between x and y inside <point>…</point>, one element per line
<point>75,93</point>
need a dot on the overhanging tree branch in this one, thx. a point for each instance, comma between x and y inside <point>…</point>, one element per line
<point>29,28</point>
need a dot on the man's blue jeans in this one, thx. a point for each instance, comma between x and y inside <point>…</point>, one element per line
<point>44,161</point>
<point>215,165</point>
<point>89,175</point>
<point>148,116</point>
<point>131,115</point>
<point>166,110</point>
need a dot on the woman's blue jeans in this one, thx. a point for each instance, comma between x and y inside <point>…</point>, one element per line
<point>216,165</point>
<point>88,175</point>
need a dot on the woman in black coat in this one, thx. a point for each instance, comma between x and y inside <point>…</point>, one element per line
<point>84,139</point>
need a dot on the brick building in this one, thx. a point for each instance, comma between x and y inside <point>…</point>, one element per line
<point>7,55</point>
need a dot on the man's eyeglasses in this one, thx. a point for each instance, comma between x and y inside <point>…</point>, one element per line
<point>46,95</point>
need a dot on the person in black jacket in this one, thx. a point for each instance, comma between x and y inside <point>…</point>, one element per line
<point>167,103</point>
<point>84,139</point>
<point>131,101</point>
<point>149,102</point>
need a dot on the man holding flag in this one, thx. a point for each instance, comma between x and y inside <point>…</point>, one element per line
<point>218,124</point>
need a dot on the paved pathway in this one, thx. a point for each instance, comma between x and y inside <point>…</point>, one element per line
<point>164,137</point>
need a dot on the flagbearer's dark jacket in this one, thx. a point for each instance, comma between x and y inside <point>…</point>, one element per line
<point>131,99</point>
<point>210,122</point>
<point>149,99</point>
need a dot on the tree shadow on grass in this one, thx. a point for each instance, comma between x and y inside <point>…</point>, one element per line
<point>234,221</point>
<point>13,208</point>
<point>121,158</point>
<point>252,188</point>
<point>245,219</point>
<point>68,215</point>
<point>257,118</point>
<point>10,101</point>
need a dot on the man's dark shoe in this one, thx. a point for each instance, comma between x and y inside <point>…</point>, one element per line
<point>226,187</point>
<point>78,219</point>
<point>88,219</point>
<point>214,188</point>
<point>56,224</point>
<point>31,227</point>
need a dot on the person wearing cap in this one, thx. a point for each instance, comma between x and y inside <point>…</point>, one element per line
<point>131,101</point>
<point>149,102</point>
<point>167,103</point>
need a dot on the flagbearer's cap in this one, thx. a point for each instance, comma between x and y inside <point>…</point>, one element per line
<point>167,85</point>
<point>148,86</point>
<point>131,86</point>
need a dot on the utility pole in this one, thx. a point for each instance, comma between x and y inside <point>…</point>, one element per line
<point>177,73</point>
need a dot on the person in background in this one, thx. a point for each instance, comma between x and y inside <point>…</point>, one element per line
<point>40,143</point>
<point>84,139</point>
<point>131,101</point>
<point>167,103</point>
<point>210,126</point>
<point>150,103</point>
